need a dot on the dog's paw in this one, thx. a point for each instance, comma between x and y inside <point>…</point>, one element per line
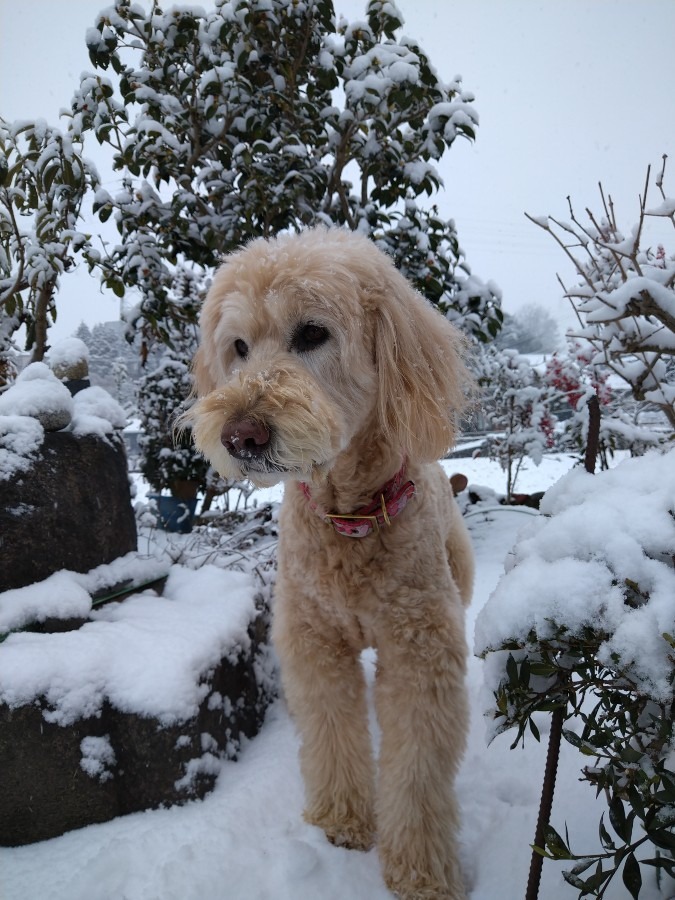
<point>352,835</point>
<point>427,891</point>
<point>408,883</point>
<point>350,838</point>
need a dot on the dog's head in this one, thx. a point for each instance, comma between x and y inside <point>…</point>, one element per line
<point>311,340</point>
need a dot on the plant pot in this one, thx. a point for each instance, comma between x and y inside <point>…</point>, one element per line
<point>184,489</point>
<point>175,515</point>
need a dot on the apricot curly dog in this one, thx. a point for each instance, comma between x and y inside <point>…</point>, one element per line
<point>320,366</point>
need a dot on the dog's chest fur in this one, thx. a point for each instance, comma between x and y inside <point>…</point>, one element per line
<point>349,582</point>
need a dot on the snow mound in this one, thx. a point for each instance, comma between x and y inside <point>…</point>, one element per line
<point>67,595</point>
<point>147,655</point>
<point>39,402</point>
<point>69,358</point>
<point>20,439</point>
<point>96,412</point>
<point>604,534</point>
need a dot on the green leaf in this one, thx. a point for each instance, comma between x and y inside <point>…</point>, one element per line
<point>4,170</point>
<point>524,677</point>
<point>617,816</point>
<point>630,755</point>
<point>636,801</point>
<point>512,671</point>
<point>662,838</point>
<point>600,876</point>
<point>555,845</point>
<point>631,876</point>
<point>572,738</point>
<point>605,837</point>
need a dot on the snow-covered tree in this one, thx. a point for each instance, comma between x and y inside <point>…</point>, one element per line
<point>260,116</point>
<point>167,457</point>
<point>532,329</point>
<point>83,332</point>
<point>43,181</point>
<point>625,302</point>
<point>517,405</point>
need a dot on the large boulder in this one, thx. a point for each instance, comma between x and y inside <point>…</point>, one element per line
<point>70,509</point>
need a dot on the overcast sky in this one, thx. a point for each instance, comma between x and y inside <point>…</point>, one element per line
<point>569,92</point>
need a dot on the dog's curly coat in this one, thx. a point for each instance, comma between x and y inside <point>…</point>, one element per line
<point>320,365</point>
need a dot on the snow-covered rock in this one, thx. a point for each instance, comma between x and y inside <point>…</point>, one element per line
<point>38,393</point>
<point>138,706</point>
<point>69,359</point>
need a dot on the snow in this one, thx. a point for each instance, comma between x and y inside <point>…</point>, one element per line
<point>614,303</point>
<point>96,412</point>
<point>59,596</point>
<point>141,655</point>
<point>20,439</point>
<point>36,392</point>
<point>247,840</point>
<point>97,757</point>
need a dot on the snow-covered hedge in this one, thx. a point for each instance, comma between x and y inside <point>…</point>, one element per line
<point>584,621</point>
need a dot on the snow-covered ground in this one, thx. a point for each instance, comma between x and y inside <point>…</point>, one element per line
<point>247,840</point>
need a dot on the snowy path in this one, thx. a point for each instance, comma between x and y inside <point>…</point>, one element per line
<point>247,840</point>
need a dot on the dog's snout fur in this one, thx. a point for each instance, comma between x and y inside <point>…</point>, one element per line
<point>372,388</point>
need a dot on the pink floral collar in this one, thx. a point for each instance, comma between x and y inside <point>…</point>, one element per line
<point>389,501</point>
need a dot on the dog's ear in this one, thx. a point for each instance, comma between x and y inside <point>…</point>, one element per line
<point>423,382</point>
<point>202,379</point>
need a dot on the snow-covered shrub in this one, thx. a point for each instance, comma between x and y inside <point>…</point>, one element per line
<point>517,405</point>
<point>625,302</point>
<point>257,117</point>
<point>584,622</point>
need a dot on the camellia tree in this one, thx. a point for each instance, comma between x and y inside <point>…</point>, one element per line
<point>261,116</point>
<point>44,180</point>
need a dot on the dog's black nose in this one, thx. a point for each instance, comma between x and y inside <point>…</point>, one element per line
<point>247,439</point>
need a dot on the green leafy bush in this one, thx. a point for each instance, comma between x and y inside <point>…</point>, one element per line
<point>583,622</point>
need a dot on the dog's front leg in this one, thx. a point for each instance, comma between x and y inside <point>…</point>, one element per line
<point>422,711</point>
<point>325,690</point>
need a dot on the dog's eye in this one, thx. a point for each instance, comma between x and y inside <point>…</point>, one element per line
<point>241,347</point>
<point>309,337</point>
